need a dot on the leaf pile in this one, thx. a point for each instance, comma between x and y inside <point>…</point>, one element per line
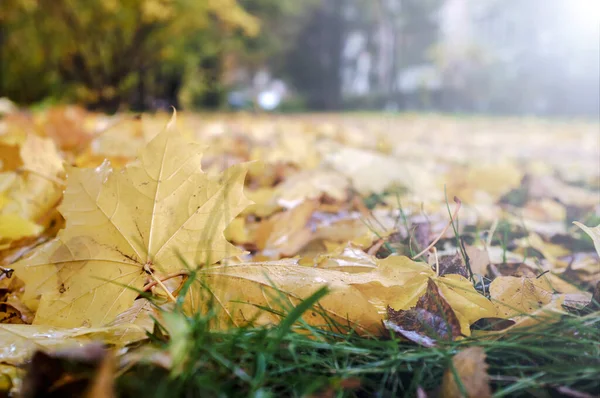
<point>104,220</point>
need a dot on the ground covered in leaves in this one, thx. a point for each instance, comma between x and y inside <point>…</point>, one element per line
<point>320,255</point>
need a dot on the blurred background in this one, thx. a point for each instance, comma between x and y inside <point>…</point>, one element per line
<point>521,57</point>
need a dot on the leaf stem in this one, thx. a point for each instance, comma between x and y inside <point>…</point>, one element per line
<point>158,281</point>
<point>162,285</point>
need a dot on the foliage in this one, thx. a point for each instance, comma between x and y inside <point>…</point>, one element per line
<point>101,50</point>
<point>307,278</point>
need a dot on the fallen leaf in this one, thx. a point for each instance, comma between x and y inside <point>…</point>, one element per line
<point>10,159</point>
<point>38,189</point>
<point>237,231</point>
<point>492,324</point>
<point>10,379</point>
<point>141,315</point>
<point>239,291</point>
<point>479,259</point>
<point>482,183</point>
<point>431,320</point>
<point>470,368</point>
<point>468,304</point>
<point>348,258</point>
<point>121,226</point>
<point>514,296</point>
<point>542,316</point>
<point>594,304</point>
<point>263,205</point>
<point>13,227</point>
<point>41,155</point>
<point>544,210</point>
<point>453,265</point>
<point>407,280</point>
<point>292,147</point>
<point>66,126</point>
<point>19,342</point>
<point>285,233</point>
<point>371,171</point>
<point>548,186</point>
<point>550,251</point>
<point>308,185</point>
<point>593,232</point>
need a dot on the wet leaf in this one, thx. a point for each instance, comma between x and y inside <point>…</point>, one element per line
<point>19,342</point>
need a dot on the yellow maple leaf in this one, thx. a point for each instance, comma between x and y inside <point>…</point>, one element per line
<point>468,304</point>
<point>516,296</point>
<point>38,188</point>
<point>406,281</point>
<point>122,226</point>
<point>242,291</point>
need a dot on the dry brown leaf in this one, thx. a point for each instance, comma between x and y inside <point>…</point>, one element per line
<point>453,265</point>
<point>471,369</point>
<point>431,320</point>
<point>479,259</point>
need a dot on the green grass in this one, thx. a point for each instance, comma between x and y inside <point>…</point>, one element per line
<point>295,359</point>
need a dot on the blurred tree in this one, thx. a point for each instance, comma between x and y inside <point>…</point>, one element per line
<point>281,22</point>
<point>314,63</point>
<point>226,54</point>
<point>99,51</point>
